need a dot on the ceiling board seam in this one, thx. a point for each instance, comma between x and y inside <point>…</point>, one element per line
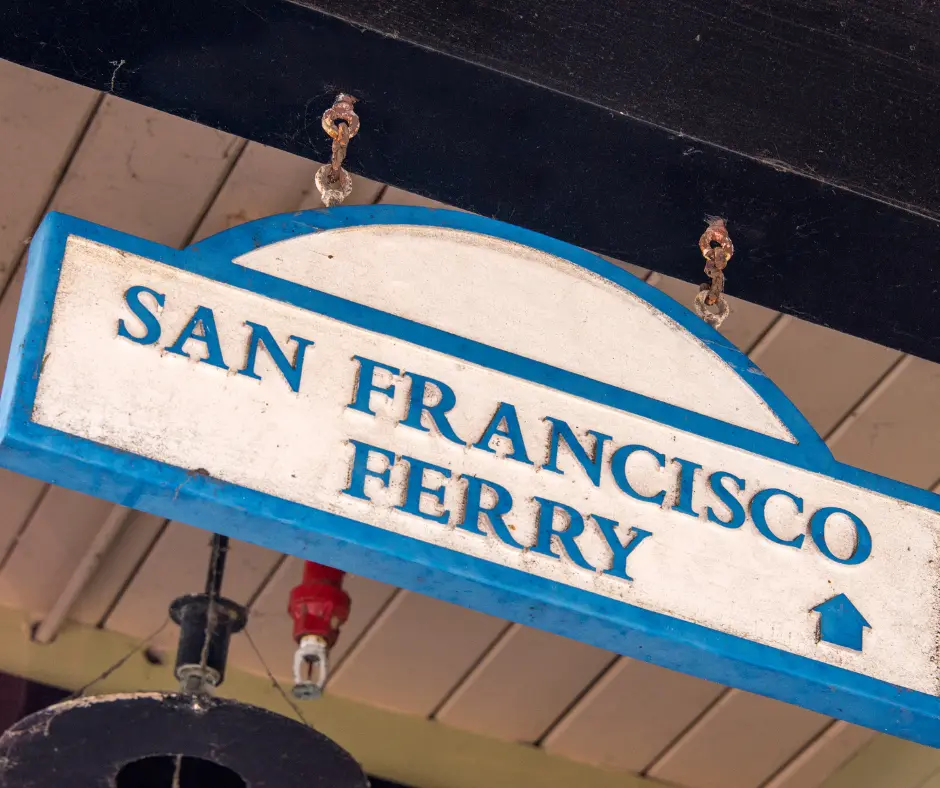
<point>381,193</point>
<point>132,575</point>
<point>234,158</point>
<point>854,413</point>
<point>63,170</point>
<point>14,542</point>
<point>477,664</point>
<point>817,742</point>
<point>587,696</point>
<point>576,700</point>
<point>698,721</point>
<point>390,604</point>
<point>279,564</point>
<point>929,780</point>
<point>765,340</point>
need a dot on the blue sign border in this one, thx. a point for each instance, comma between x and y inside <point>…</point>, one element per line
<point>245,514</point>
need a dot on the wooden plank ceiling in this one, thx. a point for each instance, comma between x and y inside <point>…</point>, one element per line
<point>169,180</point>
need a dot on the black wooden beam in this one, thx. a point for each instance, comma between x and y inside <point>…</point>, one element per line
<point>811,125</point>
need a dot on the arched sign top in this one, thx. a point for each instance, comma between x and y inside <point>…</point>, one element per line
<point>543,300</point>
<point>489,416</point>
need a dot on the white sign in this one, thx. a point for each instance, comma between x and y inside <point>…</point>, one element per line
<point>534,409</point>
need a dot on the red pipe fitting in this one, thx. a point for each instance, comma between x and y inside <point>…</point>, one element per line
<point>319,606</point>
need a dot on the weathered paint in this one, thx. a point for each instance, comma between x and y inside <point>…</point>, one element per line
<point>268,383</point>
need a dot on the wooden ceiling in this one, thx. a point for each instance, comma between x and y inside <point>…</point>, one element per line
<point>138,170</point>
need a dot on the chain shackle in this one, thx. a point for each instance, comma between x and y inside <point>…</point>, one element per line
<point>342,110</point>
<point>342,124</point>
<point>716,247</point>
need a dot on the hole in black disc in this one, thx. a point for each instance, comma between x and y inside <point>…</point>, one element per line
<point>157,771</point>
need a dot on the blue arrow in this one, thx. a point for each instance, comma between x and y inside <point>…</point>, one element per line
<point>840,623</point>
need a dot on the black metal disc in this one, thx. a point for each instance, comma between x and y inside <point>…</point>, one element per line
<point>86,743</point>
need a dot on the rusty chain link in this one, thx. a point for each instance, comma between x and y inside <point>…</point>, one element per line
<point>342,124</point>
<point>715,244</point>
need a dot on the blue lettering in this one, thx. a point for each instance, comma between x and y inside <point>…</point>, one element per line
<point>618,467</point>
<point>716,481</point>
<point>862,549</point>
<point>361,471</point>
<point>505,414</point>
<point>687,470</point>
<point>759,516</point>
<point>147,318</point>
<point>621,552</point>
<point>261,335</point>
<point>203,319</point>
<point>415,488</point>
<point>591,465</point>
<point>494,513</point>
<point>546,530</point>
<point>365,385</point>
<point>438,413</point>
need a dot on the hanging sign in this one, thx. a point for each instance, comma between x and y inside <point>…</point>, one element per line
<point>489,416</point>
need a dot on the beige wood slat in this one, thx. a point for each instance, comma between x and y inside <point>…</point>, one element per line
<point>177,565</point>
<point>834,747</point>
<point>117,568</point>
<point>414,654</point>
<point>59,532</point>
<point>896,432</point>
<point>395,196</point>
<point>630,715</point>
<point>271,628</point>
<point>266,181</point>
<point>887,762</point>
<point>41,119</point>
<point>745,324</point>
<point>637,271</point>
<point>740,742</point>
<point>823,372</point>
<point>932,782</point>
<point>18,494</point>
<point>523,684</point>
<point>146,173</point>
